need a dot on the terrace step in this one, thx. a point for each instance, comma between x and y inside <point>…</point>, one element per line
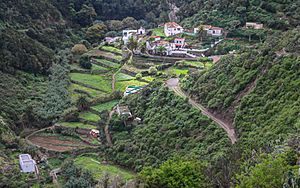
<point>88,86</point>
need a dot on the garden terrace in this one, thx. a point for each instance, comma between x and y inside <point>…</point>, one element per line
<point>89,117</point>
<point>101,83</point>
<point>105,55</point>
<point>105,106</point>
<point>106,63</point>
<point>77,125</point>
<point>111,50</point>
<point>97,169</point>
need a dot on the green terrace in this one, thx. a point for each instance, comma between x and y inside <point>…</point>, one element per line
<point>89,116</point>
<point>106,63</point>
<point>123,77</point>
<point>77,125</point>
<point>104,55</point>
<point>111,49</point>
<point>105,106</point>
<point>79,89</point>
<point>97,169</point>
<point>102,83</point>
<point>121,85</point>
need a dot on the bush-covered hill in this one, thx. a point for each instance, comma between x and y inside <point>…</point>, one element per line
<point>170,127</point>
<point>258,91</point>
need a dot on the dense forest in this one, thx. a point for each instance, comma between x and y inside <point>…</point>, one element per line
<point>255,90</point>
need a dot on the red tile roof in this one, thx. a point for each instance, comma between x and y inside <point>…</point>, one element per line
<point>172,25</point>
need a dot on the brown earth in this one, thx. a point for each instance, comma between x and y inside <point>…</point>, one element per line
<point>55,144</point>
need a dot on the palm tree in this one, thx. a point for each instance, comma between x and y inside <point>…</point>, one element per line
<point>132,44</point>
<point>201,32</point>
<point>161,49</point>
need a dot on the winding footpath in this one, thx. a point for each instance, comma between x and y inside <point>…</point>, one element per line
<point>106,130</point>
<point>173,84</point>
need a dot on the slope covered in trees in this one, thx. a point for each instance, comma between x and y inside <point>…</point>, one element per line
<point>258,91</point>
<point>170,127</point>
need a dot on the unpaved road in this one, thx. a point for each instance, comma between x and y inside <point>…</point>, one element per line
<point>173,84</point>
<point>106,130</point>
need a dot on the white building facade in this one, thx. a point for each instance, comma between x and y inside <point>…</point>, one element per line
<point>172,28</point>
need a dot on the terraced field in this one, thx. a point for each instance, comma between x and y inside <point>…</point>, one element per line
<point>105,106</point>
<point>99,82</point>
<point>89,116</point>
<point>97,169</point>
<point>77,125</point>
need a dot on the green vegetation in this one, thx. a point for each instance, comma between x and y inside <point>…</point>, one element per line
<point>98,68</point>
<point>89,116</point>
<point>108,63</point>
<point>170,127</point>
<point>98,170</point>
<point>111,49</point>
<point>176,174</point>
<point>176,71</point>
<point>92,92</point>
<point>105,106</point>
<point>121,86</point>
<point>100,82</point>
<point>123,77</point>
<point>77,125</point>
<point>158,32</point>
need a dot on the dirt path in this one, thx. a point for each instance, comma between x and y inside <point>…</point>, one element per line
<point>174,85</point>
<point>106,130</point>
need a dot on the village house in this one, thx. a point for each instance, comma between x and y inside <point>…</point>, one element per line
<point>111,40</point>
<point>172,28</point>
<point>179,43</point>
<point>27,164</point>
<point>132,89</point>
<point>211,30</point>
<point>253,25</point>
<point>127,34</point>
<point>124,111</point>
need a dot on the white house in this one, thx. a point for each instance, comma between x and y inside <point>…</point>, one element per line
<point>172,28</point>
<point>211,30</point>
<point>27,164</point>
<point>253,25</point>
<point>127,34</point>
<point>179,43</point>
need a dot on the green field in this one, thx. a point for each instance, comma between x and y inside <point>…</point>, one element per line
<point>89,116</point>
<point>97,169</point>
<point>177,71</point>
<point>108,63</point>
<point>121,86</point>
<point>77,125</point>
<point>92,92</point>
<point>105,106</point>
<point>148,78</point>
<point>111,49</point>
<point>158,32</point>
<point>98,68</point>
<point>100,82</point>
<point>123,77</point>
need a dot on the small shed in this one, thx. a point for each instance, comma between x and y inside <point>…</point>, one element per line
<point>27,164</point>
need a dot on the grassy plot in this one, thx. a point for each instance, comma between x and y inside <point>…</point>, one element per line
<point>121,86</point>
<point>98,68</point>
<point>111,49</point>
<point>97,169</point>
<point>92,92</point>
<point>89,116</point>
<point>158,32</point>
<point>99,53</point>
<point>77,125</point>
<point>100,82</point>
<point>123,77</point>
<point>148,78</point>
<point>105,106</point>
<point>108,63</point>
<point>176,71</point>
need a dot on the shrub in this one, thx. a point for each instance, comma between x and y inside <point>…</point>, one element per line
<point>79,49</point>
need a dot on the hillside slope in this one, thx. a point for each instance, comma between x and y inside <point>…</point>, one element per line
<point>258,91</point>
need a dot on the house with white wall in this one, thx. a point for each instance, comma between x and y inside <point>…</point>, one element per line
<point>172,28</point>
<point>211,30</point>
<point>179,43</point>
<point>27,164</point>
<point>127,34</point>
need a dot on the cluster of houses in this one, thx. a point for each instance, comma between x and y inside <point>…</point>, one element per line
<point>177,46</point>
